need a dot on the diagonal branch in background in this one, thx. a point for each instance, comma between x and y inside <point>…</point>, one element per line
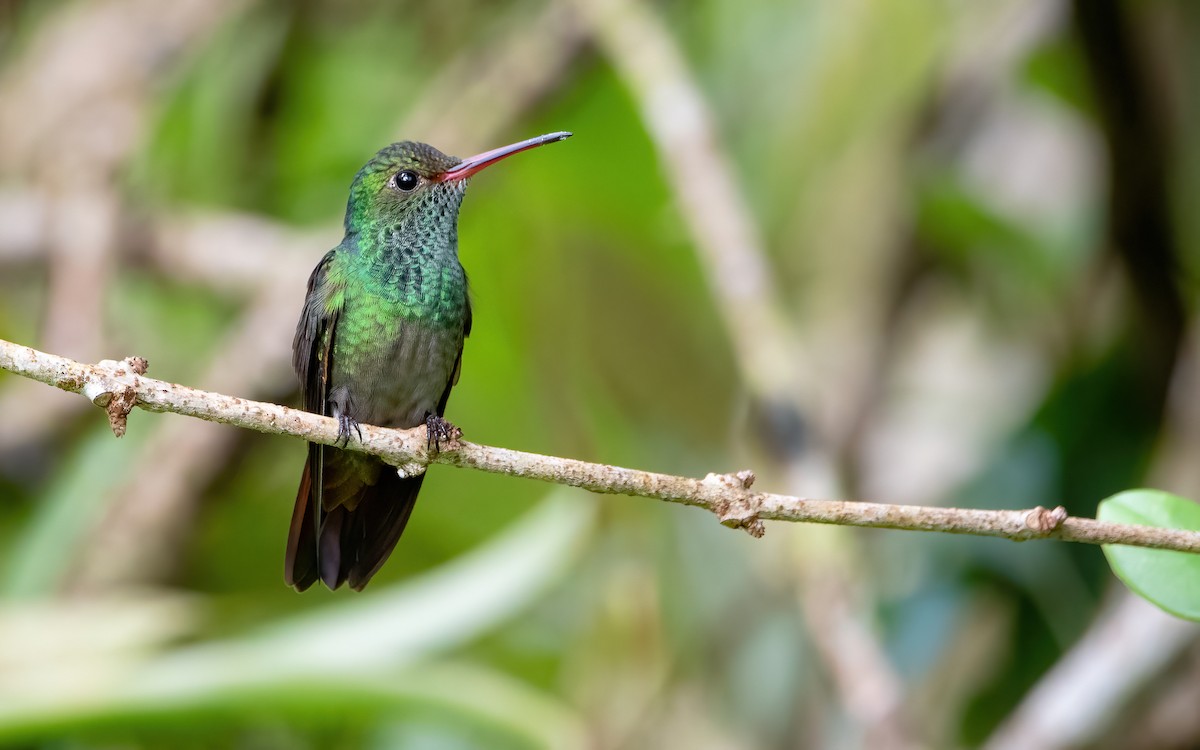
<point>766,344</point>
<point>119,386</point>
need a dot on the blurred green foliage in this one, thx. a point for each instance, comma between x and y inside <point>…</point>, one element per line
<point>930,183</point>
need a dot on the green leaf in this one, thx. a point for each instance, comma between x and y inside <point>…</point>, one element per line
<point>1170,580</point>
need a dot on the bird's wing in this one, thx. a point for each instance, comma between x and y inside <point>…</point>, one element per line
<point>457,364</point>
<point>311,355</point>
<point>313,345</point>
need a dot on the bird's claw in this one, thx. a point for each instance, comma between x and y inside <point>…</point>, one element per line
<point>438,431</point>
<point>346,425</point>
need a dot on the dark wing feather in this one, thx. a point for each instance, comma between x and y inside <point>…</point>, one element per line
<point>457,364</point>
<point>311,352</point>
<point>311,349</point>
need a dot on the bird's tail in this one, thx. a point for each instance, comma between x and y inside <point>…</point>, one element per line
<point>359,522</point>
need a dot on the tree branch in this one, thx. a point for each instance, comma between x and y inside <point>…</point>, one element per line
<point>119,386</point>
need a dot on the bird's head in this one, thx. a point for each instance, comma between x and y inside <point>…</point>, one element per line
<point>409,177</point>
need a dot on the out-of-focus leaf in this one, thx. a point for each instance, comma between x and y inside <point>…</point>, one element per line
<point>1168,579</point>
<point>318,663</point>
<point>964,229</point>
<point>73,503</point>
<point>505,711</point>
<point>446,607</point>
<point>46,645</point>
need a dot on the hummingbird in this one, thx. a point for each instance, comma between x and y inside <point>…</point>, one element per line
<point>380,341</point>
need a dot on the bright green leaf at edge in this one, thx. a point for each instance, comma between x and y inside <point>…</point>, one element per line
<point>1170,580</point>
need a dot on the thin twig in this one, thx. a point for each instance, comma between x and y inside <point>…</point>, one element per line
<point>119,386</point>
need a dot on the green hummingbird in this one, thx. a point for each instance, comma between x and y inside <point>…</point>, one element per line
<point>380,342</point>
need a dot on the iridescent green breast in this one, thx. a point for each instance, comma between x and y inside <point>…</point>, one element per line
<point>397,338</point>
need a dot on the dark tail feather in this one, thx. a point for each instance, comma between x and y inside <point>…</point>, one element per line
<point>300,564</point>
<point>329,548</point>
<point>353,543</point>
<point>372,529</point>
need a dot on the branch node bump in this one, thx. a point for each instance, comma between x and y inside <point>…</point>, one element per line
<point>736,513</point>
<point>752,525</point>
<point>738,481</point>
<point>114,392</point>
<point>98,389</point>
<point>1045,522</point>
<point>410,470</point>
<point>118,408</point>
<point>97,393</point>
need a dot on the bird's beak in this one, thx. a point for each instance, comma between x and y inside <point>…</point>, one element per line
<point>473,164</point>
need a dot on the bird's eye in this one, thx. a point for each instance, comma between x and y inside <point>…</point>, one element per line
<point>406,180</point>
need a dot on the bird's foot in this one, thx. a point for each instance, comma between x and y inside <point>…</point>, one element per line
<point>346,425</point>
<point>438,431</point>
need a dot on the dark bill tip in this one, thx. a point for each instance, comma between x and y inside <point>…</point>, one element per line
<point>473,164</point>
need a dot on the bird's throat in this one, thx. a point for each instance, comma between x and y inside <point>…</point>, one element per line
<point>409,276</point>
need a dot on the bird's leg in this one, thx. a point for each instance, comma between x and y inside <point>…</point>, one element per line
<point>342,405</point>
<point>438,430</point>
<point>346,425</point>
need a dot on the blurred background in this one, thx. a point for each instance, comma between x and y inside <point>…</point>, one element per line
<point>932,252</point>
